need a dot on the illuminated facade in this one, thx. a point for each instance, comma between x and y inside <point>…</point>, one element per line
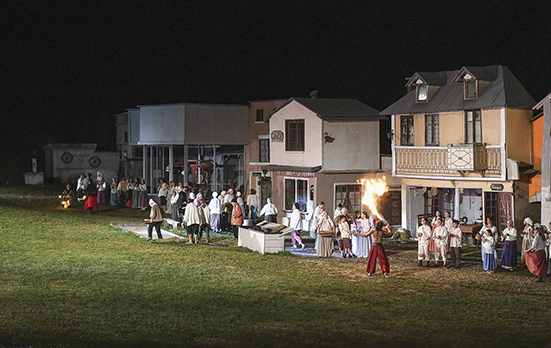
<point>461,144</point>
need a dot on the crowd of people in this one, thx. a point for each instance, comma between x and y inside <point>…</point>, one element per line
<point>93,191</point>
<point>359,235</point>
<point>443,235</point>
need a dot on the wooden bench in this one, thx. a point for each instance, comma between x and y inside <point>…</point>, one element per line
<point>172,223</point>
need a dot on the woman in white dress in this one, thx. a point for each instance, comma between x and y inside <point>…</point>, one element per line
<point>363,244</point>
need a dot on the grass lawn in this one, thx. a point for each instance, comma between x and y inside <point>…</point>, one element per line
<point>69,279</point>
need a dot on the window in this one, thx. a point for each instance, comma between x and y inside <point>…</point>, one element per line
<point>432,203</point>
<point>390,206</point>
<point>499,206</point>
<point>264,150</point>
<point>126,137</point>
<point>471,89</point>
<point>422,93</point>
<point>296,190</point>
<point>350,196</point>
<point>432,131</point>
<point>294,135</point>
<point>260,115</point>
<point>406,130</point>
<point>473,122</point>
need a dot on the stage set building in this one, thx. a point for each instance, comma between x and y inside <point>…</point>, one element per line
<point>203,144</point>
<point>540,183</point>
<point>319,151</point>
<point>462,144</point>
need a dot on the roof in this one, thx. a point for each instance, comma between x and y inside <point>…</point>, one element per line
<point>503,90</point>
<point>335,109</point>
<point>291,168</point>
<point>429,78</point>
<point>541,102</point>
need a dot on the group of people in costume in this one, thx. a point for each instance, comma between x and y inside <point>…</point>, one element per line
<point>360,235</point>
<point>442,235</point>
<point>89,190</point>
<point>130,193</point>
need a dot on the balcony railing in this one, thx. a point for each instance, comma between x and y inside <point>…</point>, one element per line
<point>434,161</point>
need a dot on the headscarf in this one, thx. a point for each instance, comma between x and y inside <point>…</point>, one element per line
<point>529,221</point>
<point>152,202</point>
<point>214,194</point>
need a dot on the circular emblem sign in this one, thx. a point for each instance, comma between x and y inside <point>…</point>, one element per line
<point>94,161</point>
<point>67,157</point>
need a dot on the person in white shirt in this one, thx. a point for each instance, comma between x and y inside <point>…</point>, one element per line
<point>423,240</point>
<point>509,255</point>
<point>338,211</point>
<point>315,218</point>
<point>535,256</point>
<point>215,208</point>
<point>296,225</point>
<point>363,244</point>
<point>240,202</point>
<point>488,250</point>
<point>191,219</point>
<point>455,236</point>
<point>440,237</point>
<point>527,237</point>
<point>269,211</point>
<point>228,198</point>
<point>162,188</point>
<point>448,223</point>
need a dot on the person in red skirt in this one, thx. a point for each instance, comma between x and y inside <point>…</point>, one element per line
<point>377,250</point>
<point>535,256</point>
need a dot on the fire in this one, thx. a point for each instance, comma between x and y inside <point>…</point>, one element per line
<point>374,188</point>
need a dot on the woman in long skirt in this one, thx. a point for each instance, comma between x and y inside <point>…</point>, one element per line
<point>142,197</point>
<point>488,250</point>
<point>363,243</point>
<point>509,255</point>
<point>135,194</point>
<point>526,238</point>
<point>326,230</point>
<point>535,256</point>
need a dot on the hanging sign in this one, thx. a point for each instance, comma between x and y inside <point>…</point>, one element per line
<point>496,187</point>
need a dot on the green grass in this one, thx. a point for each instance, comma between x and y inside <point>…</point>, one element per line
<point>68,278</point>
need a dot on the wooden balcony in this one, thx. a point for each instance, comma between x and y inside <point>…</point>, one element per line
<point>434,161</point>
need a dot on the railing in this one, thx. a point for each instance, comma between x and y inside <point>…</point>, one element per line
<point>433,161</point>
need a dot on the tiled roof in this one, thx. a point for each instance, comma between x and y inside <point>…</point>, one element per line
<point>503,89</point>
<point>335,109</point>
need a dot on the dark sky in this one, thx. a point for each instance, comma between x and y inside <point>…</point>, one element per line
<point>69,66</point>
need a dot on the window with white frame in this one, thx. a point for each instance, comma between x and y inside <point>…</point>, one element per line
<point>296,190</point>
<point>350,196</point>
<point>470,88</point>
<point>422,93</point>
<point>473,123</point>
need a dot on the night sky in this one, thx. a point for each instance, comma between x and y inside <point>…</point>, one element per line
<point>68,67</point>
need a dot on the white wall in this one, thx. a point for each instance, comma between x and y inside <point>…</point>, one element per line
<point>311,156</point>
<point>356,145</point>
<point>162,124</point>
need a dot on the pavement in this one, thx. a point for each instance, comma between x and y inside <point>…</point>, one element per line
<point>140,230</point>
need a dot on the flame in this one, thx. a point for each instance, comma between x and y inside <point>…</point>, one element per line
<point>374,188</point>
